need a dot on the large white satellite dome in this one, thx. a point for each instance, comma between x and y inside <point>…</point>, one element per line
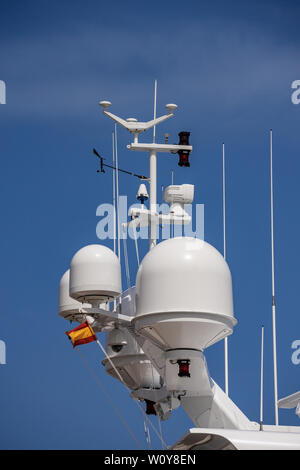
<point>184,295</point>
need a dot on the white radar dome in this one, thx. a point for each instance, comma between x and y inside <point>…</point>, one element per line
<point>184,295</point>
<point>95,274</point>
<point>67,307</point>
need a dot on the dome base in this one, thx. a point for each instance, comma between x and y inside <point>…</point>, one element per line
<point>184,330</point>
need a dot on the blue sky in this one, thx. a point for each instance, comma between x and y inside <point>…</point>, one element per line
<point>229,67</point>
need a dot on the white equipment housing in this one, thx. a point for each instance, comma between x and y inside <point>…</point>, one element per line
<point>142,192</point>
<point>95,274</point>
<point>68,308</point>
<point>182,194</point>
<point>184,295</point>
<point>130,361</point>
<point>272,438</point>
<point>178,196</point>
<point>197,383</point>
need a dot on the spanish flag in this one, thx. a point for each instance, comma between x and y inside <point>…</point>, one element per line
<point>81,334</point>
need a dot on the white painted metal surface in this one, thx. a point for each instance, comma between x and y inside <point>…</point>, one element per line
<point>67,307</point>
<point>130,361</point>
<point>197,382</point>
<point>215,410</point>
<point>181,194</point>
<point>228,439</point>
<point>184,295</point>
<point>290,401</point>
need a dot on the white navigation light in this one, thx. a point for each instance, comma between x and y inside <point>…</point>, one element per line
<point>95,274</point>
<point>67,307</point>
<point>184,295</point>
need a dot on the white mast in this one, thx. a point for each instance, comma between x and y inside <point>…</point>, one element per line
<point>135,127</point>
<point>153,180</point>
<point>273,285</point>
<point>224,235</point>
<point>154,113</point>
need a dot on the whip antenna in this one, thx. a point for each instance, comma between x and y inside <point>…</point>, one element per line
<point>224,241</point>
<point>273,285</point>
<point>262,378</point>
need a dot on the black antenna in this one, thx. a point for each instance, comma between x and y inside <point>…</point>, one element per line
<point>141,177</point>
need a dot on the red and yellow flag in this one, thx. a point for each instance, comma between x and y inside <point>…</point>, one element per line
<point>81,334</point>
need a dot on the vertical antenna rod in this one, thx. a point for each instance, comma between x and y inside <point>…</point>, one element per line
<point>262,379</point>
<point>224,235</point>
<point>153,224</point>
<point>273,284</point>
<point>114,190</point>
<point>117,188</point>
<point>172,220</point>
<point>114,201</point>
<point>154,113</point>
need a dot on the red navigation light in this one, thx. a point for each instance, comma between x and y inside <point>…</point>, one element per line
<point>184,158</point>
<point>184,368</point>
<point>184,154</point>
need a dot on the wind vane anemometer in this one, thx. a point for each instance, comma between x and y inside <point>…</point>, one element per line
<point>102,165</point>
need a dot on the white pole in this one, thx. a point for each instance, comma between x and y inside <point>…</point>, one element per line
<point>262,378</point>
<point>152,197</point>
<point>172,217</point>
<point>224,202</point>
<point>224,240</point>
<point>153,170</point>
<point>273,285</point>
<point>154,113</point>
<point>114,191</point>
<point>117,187</point>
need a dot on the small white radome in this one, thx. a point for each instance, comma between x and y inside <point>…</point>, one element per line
<point>95,274</point>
